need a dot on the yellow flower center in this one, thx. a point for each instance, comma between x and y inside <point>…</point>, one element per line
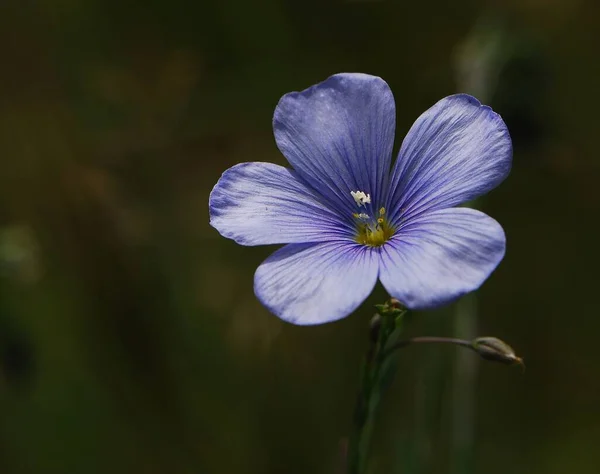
<point>370,232</point>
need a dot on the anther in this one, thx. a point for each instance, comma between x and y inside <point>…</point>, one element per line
<point>361,198</point>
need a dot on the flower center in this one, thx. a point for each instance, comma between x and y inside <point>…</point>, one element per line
<point>370,231</point>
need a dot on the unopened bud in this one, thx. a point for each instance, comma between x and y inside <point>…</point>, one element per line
<point>492,348</point>
<point>395,304</point>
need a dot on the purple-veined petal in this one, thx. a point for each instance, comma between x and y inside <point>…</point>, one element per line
<point>338,135</point>
<point>455,151</point>
<point>316,283</point>
<point>263,203</point>
<point>441,255</point>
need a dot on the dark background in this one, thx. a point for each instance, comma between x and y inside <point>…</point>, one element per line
<point>130,338</point>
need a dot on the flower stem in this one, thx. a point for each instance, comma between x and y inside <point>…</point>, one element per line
<point>426,340</point>
<point>376,371</point>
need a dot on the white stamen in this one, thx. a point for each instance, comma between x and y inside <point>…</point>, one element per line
<point>362,216</point>
<point>361,198</point>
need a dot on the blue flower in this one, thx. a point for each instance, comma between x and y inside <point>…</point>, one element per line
<point>350,218</point>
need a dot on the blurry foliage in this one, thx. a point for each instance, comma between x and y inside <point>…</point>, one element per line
<point>130,339</point>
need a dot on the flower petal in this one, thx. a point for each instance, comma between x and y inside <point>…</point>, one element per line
<point>263,203</point>
<point>338,135</point>
<point>455,151</point>
<point>441,255</point>
<point>316,283</point>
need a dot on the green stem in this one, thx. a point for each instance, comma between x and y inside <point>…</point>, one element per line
<point>377,370</point>
<point>426,340</point>
<point>374,373</point>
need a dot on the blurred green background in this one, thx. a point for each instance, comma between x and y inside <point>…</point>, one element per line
<point>130,338</point>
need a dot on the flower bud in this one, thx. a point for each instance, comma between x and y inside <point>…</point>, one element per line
<point>392,307</point>
<point>492,348</point>
<point>395,304</point>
